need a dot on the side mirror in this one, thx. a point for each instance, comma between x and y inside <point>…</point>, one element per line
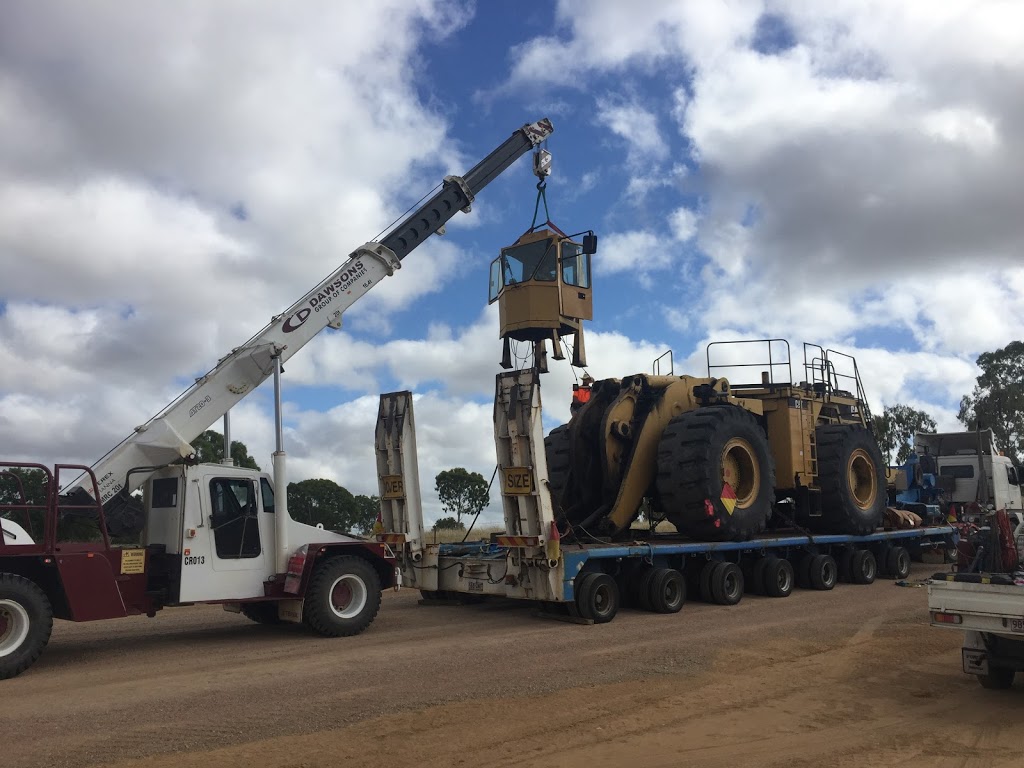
<point>590,244</point>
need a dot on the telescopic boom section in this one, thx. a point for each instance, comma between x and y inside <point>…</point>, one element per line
<point>167,436</point>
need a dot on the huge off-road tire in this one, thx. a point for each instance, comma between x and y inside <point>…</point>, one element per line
<point>26,620</point>
<point>716,477</point>
<point>851,475</point>
<point>556,450</point>
<point>343,597</point>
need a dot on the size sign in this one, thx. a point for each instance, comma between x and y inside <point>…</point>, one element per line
<point>133,561</point>
<point>516,481</point>
<point>392,487</point>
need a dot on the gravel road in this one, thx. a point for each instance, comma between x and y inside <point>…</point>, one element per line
<point>850,677</point>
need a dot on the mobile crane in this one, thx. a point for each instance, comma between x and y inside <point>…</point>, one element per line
<point>211,533</point>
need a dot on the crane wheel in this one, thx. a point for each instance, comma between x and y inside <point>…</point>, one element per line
<point>598,598</point>
<point>822,573</point>
<point>26,620</point>
<point>667,590</point>
<point>556,450</point>
<point>642,589</point>
<point>716,476</point>
<point>343,597</point>
<point>707,573</point>
<point>851,475</point>
<point>863,567</point>
<point>778,577</point>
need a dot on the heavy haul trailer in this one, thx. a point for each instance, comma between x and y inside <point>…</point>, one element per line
<point>589,580</point>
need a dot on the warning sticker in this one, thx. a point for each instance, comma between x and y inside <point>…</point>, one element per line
<point>728,498</point>
<point>133,561</point>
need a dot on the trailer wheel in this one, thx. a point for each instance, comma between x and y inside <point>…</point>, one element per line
<point>642,589</point>
<point>667,590</point>
<point>716,476</point>
<point>727,584</point>
<point>863,567</point>
<point>998,678</point>
<point>778,577</point>
<point>556,450</point>
<point>757,576</point>
<point>707,573</point>
<point>26,620</point>
<point>261,613</point>
<point>803,571</point>
<point>823,572</point>
<point>851,475</point>
<point>897,563</point>
<point>844,565</point>
<point>343,597</point>
<point>598,598</point>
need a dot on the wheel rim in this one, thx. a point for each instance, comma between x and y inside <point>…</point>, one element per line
<point>670,592</point>
<point>731,583</point>
<point>601,600</point>
<point>14,626</point>
<point>784,580</point>
<point>828,572</point>
<point>740,471</point>
<point>348,596</point>
<point>861,479</point>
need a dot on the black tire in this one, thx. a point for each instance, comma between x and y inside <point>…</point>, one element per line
<point>997,679</point>
<point>26,620</point>
<point>262,613</point>
<point>757,576</point>
<point>863,567</point>
<point>778,577</point>
<point>823,572</point>
<point>667,590</point>
<point>598,598</point>
<point>642,593</point>
<point>556,450</point>
<point>844,565</point>
<point>897,563</point>
<point>343,597</point>
<point>727,584</point>
<point>709,453</point>
<point>851,475</point>
<point>707,573</point>
<point>803,571</point>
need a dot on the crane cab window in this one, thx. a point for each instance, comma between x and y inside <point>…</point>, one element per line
<point>575,265</point>
<point>268,495</point>
<point>518,263</point>
<point>236,529</point>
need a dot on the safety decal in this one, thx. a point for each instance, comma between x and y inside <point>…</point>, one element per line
<point>728,498</point>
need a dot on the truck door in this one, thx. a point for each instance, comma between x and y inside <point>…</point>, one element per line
<point>225,556</point>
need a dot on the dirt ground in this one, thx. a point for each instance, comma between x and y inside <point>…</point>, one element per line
<point>852,677</point>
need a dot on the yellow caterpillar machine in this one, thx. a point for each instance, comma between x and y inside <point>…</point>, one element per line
<point>721,460</point>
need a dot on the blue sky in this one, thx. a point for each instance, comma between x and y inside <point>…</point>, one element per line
<point>845,174</point>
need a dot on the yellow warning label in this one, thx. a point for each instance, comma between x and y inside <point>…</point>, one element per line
<point>133,561</point>
<point>392,487</point>
<point>517,481</point>
<point>728,498</point>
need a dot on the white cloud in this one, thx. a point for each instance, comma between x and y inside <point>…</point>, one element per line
<point>683,223</point>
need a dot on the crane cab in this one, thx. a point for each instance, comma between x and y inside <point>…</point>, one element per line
<point>543,289</point>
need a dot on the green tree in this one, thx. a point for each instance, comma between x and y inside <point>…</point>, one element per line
<point>366,510</point>
<point>322,501</point>
<point>448,524</point>
<point>209,448</point>
<point>462,492</point>
<point>997,402</point>
<point>895,430</point>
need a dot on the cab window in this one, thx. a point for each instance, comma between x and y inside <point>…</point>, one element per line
<point>575,266</point>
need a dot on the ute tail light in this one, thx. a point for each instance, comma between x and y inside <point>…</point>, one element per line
<point>947,618</point>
